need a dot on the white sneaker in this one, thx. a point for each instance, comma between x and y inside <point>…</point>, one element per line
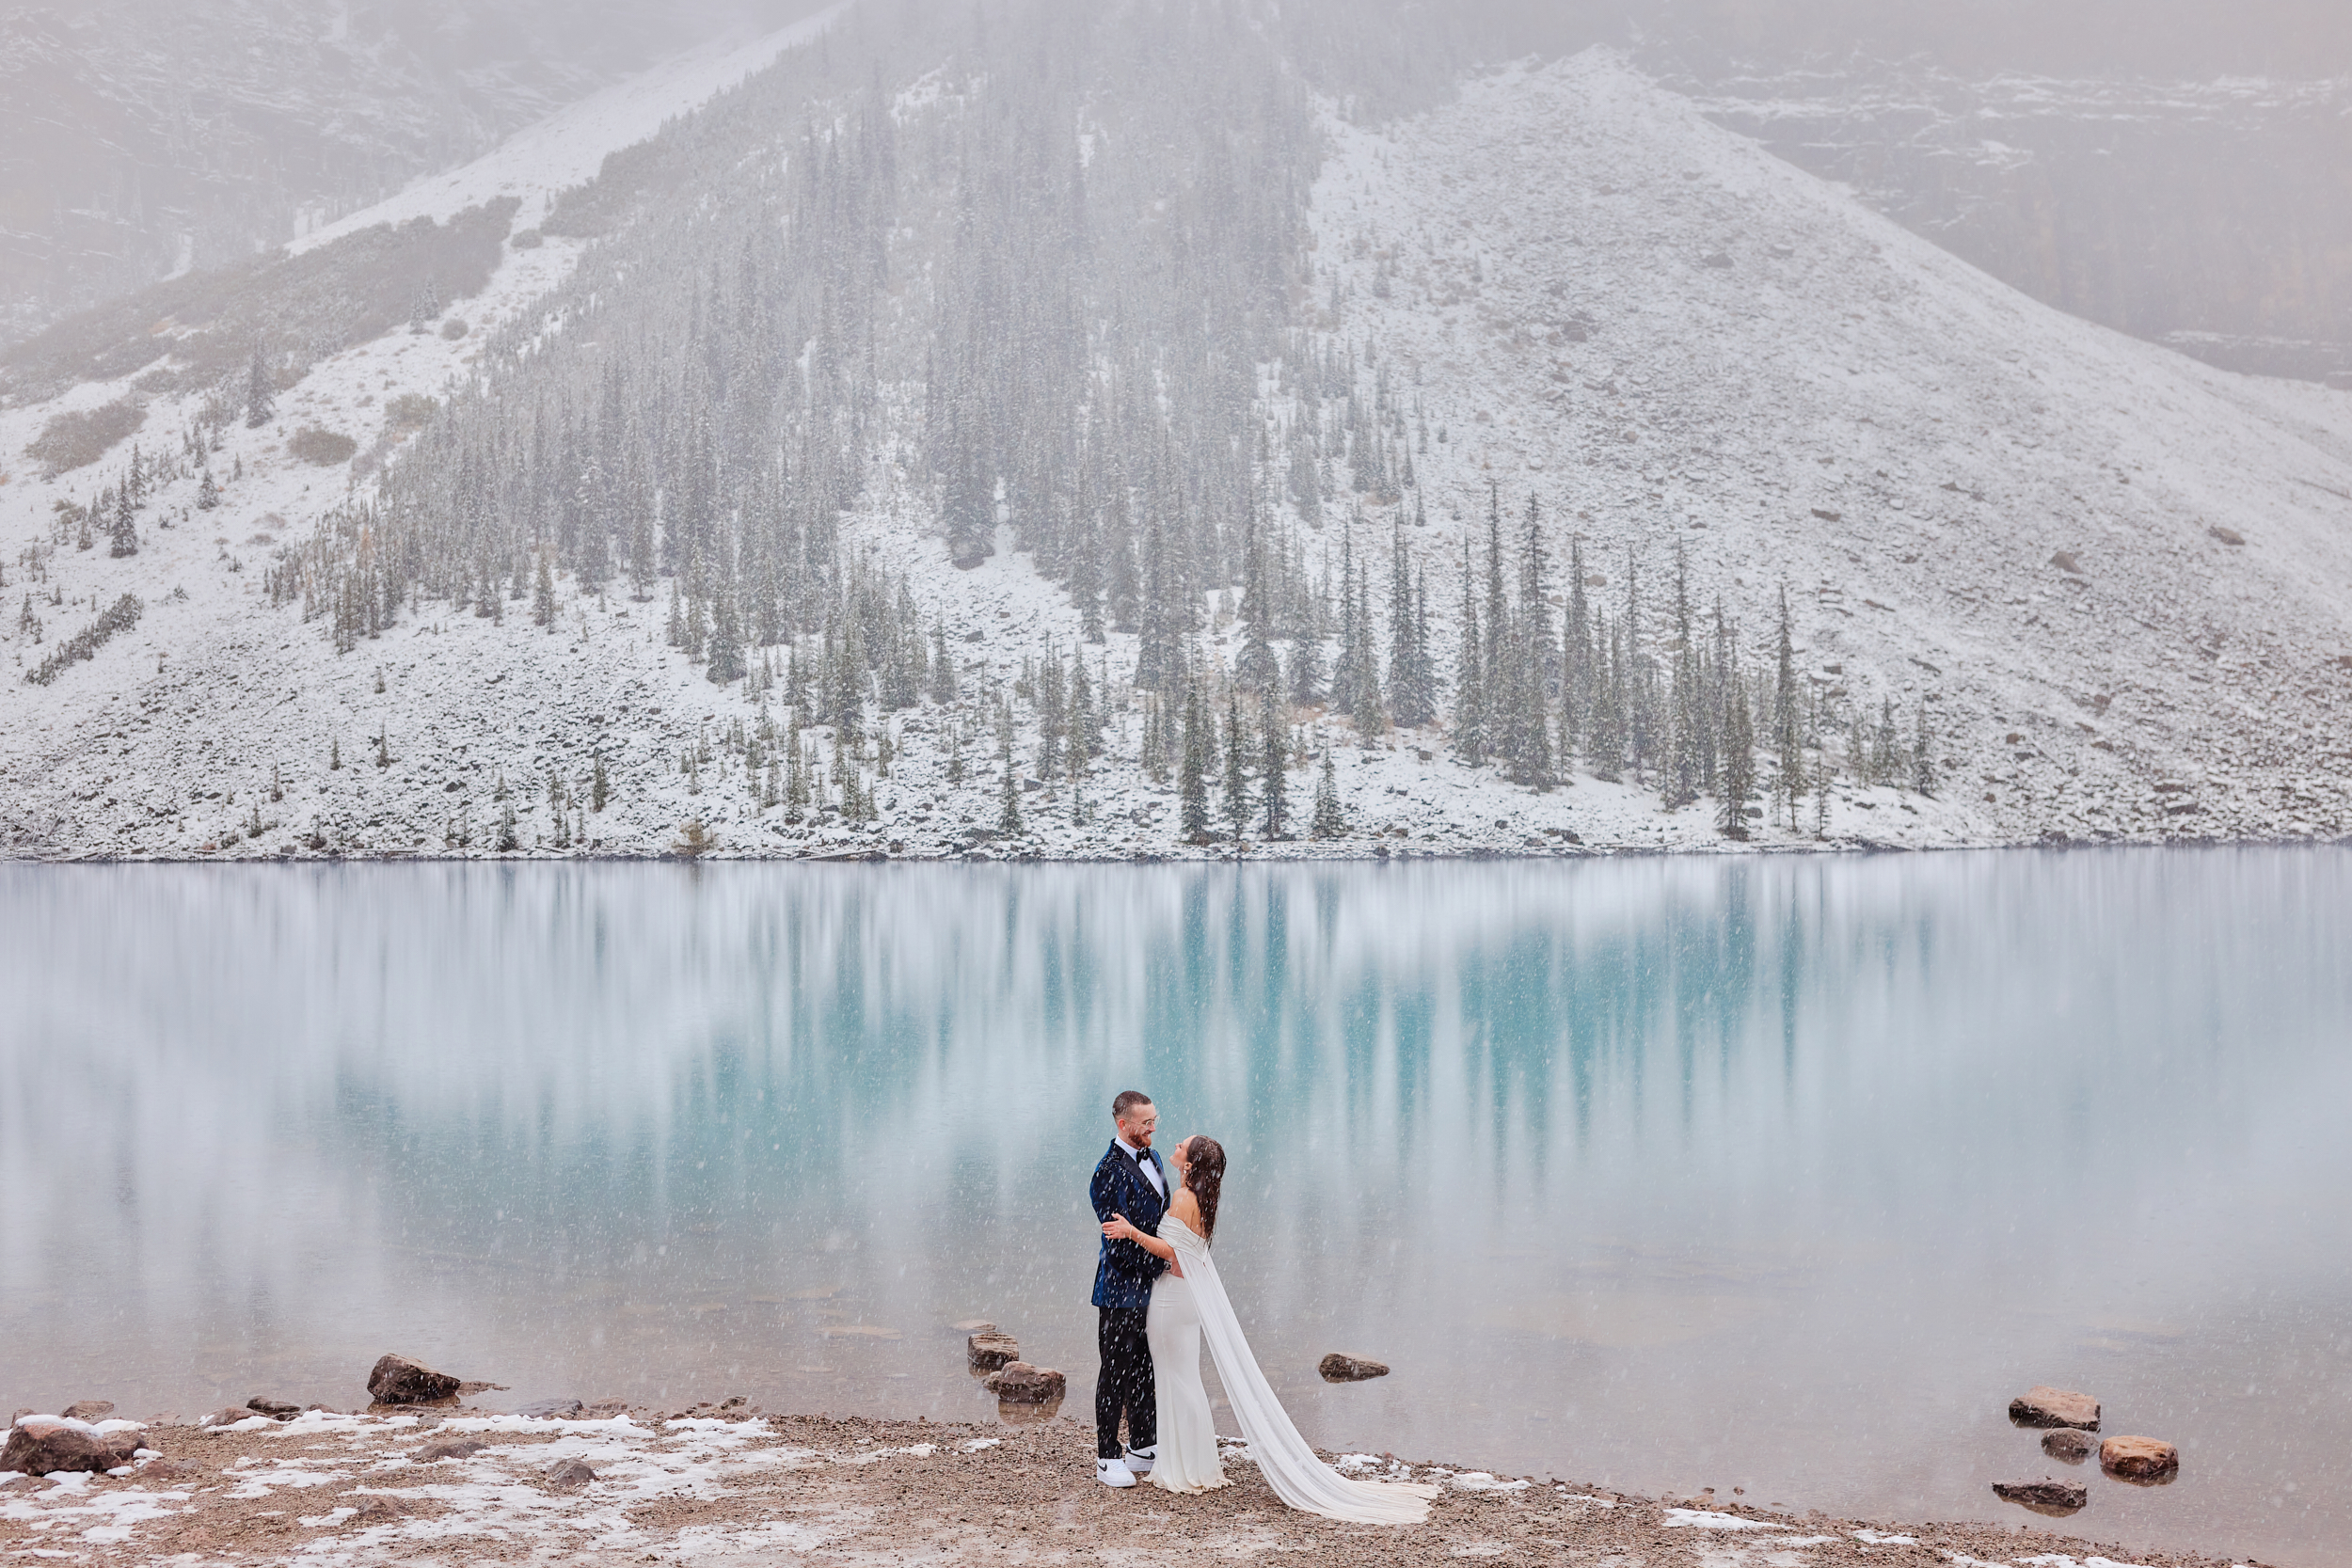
<point>1140,1461</point>
<point>1112,1472</point>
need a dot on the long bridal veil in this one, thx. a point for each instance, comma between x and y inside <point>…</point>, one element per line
<point>1289,1465</point>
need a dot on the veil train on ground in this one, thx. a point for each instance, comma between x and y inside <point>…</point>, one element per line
<point>1283,1457</point>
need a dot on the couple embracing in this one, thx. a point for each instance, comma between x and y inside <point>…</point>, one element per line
<point>1158,1296</point>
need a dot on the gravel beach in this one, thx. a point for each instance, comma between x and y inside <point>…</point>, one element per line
<point>328,1488</point>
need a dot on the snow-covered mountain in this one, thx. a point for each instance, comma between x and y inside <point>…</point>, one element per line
<point>140,139</point>
<point>760,494</point>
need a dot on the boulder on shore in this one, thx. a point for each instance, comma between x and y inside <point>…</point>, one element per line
<point>1337,1367</point>
<point>991,1351</point>
<point>2069,1444</point>
<point>276,1410</point>
<point>2142,1459</point>
<point>1021,1384</point>
<point>2054,1497</point>
<point>448,1447</point>
<point>559,1410</point>
<point>397,1380</point>
<point>572,1473</point>
<point>2044,1406</point>
<point>89,1410</point>
<point>39,1444</point>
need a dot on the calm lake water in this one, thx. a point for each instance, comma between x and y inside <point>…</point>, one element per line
<point>1662,1174</point>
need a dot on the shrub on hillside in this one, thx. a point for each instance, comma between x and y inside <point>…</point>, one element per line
<point>324,448</point>
<point>409,411</point>
<point>72,441</point>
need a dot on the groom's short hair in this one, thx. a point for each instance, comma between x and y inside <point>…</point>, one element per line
<point>1128,1099</point>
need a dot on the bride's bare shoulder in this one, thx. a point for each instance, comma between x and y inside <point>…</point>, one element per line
<point>1185,1207</point>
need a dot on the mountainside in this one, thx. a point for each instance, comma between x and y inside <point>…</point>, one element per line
<point>140,139</point>
<point>975,436</point>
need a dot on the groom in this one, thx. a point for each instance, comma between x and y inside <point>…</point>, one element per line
<point>1129,1181</point>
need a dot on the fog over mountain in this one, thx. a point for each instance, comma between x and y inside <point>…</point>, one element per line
<point>144,139</point>
<point>1047,429</point>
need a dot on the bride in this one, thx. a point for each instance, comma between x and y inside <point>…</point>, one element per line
<point>1188,1304</point>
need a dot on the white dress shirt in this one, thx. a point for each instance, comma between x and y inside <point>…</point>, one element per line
<point>1151,1167</point>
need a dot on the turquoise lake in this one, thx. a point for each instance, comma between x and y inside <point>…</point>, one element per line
<point>1663,1174</point>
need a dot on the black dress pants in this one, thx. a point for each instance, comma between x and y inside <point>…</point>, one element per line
<point>1123,1387</point>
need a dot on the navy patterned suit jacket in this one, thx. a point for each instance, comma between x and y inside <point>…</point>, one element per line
<point>1123,1271</point>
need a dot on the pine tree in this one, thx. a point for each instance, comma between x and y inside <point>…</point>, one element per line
<point>1236,775</point>
<point>260,395</point>
<point>207,493</point>
<point>1787,733</point>
<point>1330,821</point>
<point>1257,669</point>
<point>1410,699</point>
<point>1273,758</point>
<point>1192,784</point>
<point>1355,682</point>
<point>543,594</point>
<point>1052,714</point>
<point>943,665</point>
<point>599,785</point>
<point>725,642</point>
<point>1686,717</point>
<point>1304,682</point>
<point>1469,699</point>
<point>1009,808</point>
<point>510,836</point>
<point>1576,659</point>
<point>1159,653</point>
<point>123,536</point>
<point>1922,755</point>
<point>1638,692</point>
<point>1738,753</point>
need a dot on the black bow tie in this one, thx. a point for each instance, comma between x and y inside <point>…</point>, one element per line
<point>1143,1156</point>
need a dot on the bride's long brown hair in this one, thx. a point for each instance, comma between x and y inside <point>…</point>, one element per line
<point>1206,1157</point>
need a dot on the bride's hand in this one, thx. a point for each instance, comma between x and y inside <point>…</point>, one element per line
<point>1117,1229</point>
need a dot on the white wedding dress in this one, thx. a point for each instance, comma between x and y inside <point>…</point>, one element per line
<point>1188,1310</point>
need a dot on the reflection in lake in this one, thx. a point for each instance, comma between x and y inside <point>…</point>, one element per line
<point>1779,1174</point>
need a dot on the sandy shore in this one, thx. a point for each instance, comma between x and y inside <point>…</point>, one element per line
<point>332,1489</point>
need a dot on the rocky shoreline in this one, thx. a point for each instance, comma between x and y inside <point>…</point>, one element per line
<point>600,1483</point>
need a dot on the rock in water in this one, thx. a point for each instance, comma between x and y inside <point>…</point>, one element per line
<point>2141,1459</point>
<point>572,1473</point>
<point>1337,1367</point>
<point>89,1410</point>
<point>2070,1444</point>
<point>1021,1384</point>
<point>397,1380</point>
<point>2043,1406</point>
<point>39,1444</point>
<point>991,1351</point>
<point>2053,1498</point>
